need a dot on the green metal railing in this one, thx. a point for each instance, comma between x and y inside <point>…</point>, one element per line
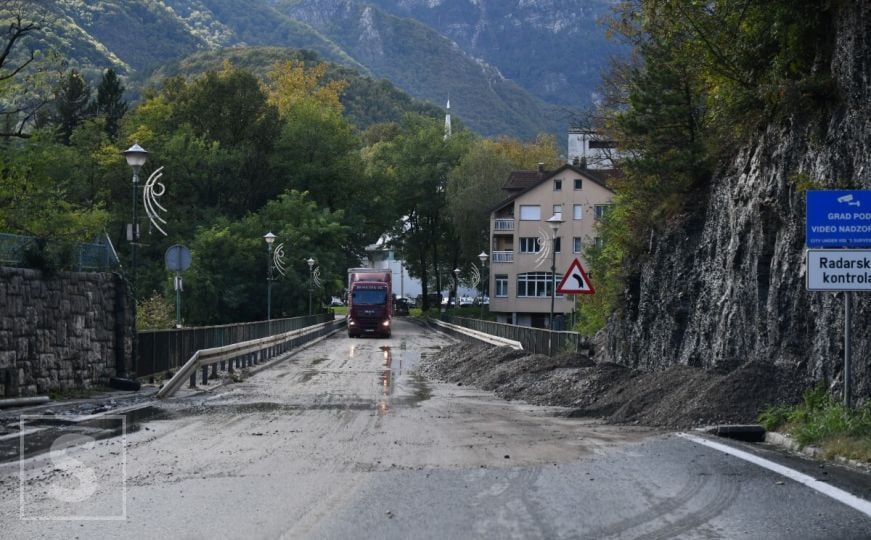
<point>534,340</point>
<point>14,249</point>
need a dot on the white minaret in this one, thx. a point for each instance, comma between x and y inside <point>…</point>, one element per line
<point>448,120</point>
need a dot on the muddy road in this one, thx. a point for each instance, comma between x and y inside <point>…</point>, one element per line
<point>346,440</point>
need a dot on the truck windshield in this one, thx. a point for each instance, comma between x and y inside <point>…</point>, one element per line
<point>369,296</point>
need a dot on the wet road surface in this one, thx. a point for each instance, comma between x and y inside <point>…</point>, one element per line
<point>344,440</point>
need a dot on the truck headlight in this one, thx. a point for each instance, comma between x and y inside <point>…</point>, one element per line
<point>385,323</point>
<point>351,322</point>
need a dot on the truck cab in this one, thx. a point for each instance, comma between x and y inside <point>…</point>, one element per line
<point>369,303</point>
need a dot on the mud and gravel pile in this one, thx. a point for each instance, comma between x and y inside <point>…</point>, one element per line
<point>677,397</point>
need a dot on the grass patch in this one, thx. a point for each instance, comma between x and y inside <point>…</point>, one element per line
<point>822,421</point>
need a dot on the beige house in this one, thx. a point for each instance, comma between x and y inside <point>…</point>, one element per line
<point>522,244</point>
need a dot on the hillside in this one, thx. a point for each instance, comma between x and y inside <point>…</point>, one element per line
<point>366,100</point>
<point>430,66</point>
<point>556,49</point>
<point>135,36</point>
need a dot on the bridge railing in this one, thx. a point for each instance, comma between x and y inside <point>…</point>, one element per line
<point>167,350</point>
<point>534,340</point>
<point>243,354</point>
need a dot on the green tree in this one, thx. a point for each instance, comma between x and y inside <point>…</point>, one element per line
<point>109,103</point>
<point>227,280</point>
<point>475,185</point>
<point>417,163</point>
<point>70,107</point>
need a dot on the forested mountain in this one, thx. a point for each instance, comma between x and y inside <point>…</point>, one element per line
<point>136,36</point>
<point>556,49</point>
<point>366,101</point>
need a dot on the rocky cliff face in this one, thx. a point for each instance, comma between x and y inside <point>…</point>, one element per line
<point>728,285</point>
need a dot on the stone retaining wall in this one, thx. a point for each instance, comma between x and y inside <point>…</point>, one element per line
<point>61,332</point>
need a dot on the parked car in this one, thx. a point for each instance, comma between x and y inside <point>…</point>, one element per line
<point>466,301</point>
<point>400,307</point>
<point>336,301</point>
<point>486,300</point>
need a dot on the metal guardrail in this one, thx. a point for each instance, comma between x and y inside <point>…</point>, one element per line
<point>242,355</point>
<point>534,340</point>
<point>164,350</point>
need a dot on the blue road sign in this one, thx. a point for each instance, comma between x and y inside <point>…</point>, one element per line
<point>178,258</point>
<point>839,219</point>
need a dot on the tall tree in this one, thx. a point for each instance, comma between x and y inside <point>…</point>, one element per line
<point>110,103</point>
<point>419,161</point>
<point>71,101</point>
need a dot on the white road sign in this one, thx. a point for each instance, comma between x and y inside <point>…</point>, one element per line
<point>839,270</point>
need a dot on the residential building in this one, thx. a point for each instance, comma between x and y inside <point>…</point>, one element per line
<point>522,243</point>
<point>590,150</point>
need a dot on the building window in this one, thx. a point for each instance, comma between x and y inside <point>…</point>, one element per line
<point>601,210</point>
<point>536,284</point>
<point>576,244</point>
<point>530,212</point>
<point>578,184</point>
<point>529,244</point>
<point>603,144</point>
<point>557,245</point>
<point>501,285</point>
<point>599,242</point>
<point>577,211</point>
<point>558,210</point>
<point>557,185</point>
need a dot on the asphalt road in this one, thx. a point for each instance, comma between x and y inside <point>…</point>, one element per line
<point>343,440</point>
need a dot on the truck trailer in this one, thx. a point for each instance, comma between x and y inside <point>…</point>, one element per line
<point>370,298</point>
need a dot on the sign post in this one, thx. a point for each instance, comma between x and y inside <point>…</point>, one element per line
<point>839,219</point>
<point>178,259</point>
<point>575,281</point>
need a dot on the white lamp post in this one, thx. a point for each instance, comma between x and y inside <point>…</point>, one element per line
<point>136,157</point>
<point>311,264</point>
<point>483,257</point>
<point>554,222</point>
<point>270,238</point>
<point>456,274</point>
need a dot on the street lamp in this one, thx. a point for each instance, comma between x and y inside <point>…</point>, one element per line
<point>483,257</point>
<point>456,273</point>
<point>311,264</point>
<point>554,222</point>
<point>270,238</point>
<point>136,157</point>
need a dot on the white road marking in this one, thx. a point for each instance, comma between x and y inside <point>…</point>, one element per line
<point>826,489</point>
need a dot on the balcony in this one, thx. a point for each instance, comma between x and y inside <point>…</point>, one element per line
<point>502,256</point>
<point>503,224</point>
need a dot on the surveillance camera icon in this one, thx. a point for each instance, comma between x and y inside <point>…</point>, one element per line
<point>849,200</point>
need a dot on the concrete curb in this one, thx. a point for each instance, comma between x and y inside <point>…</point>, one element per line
<point>785,441</point>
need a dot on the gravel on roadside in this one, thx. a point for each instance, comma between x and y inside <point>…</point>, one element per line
<point>678,397</point>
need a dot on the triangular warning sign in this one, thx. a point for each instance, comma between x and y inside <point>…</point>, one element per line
<point>575,281</point>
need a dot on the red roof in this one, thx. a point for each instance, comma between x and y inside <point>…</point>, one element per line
<point>518,180</point>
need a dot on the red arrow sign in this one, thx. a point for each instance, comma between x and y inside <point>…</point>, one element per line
<point>575,281</point>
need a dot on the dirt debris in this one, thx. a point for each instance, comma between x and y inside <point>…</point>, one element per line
<point>677,397</point>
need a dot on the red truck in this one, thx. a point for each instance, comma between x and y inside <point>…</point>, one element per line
<point>370,298</point>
